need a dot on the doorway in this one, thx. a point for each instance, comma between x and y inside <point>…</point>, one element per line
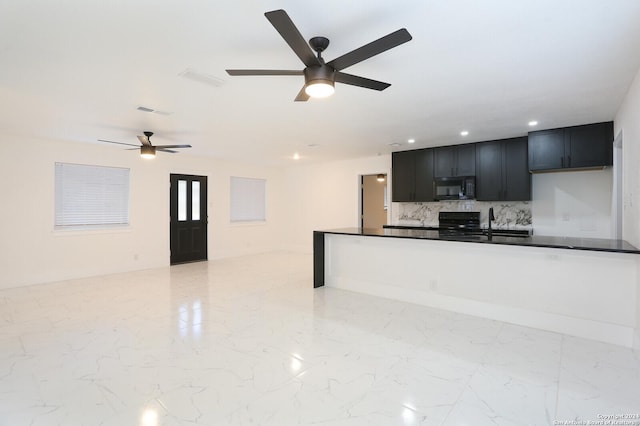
<point>374,201</point>
<point>188,211</point>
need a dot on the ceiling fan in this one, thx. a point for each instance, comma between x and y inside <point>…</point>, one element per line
<point>320,77</point>
<point>147,150</point>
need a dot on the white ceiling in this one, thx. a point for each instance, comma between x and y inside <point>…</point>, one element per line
<point>77,70</point>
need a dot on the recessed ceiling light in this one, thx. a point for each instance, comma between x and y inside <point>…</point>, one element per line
<point>296,156</point>
<point>464,133</point>
<point>313,145</point>
<point>394,144</point>
<point>533,123</point>
<point>411,141</point>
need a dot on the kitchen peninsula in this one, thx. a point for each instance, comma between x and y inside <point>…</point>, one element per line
<point>576,286</point>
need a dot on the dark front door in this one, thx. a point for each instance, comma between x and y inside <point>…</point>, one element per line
<point>188,218</point>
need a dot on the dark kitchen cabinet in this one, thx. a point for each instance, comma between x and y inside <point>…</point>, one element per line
<point>403,174</point>
<point>489,171</point>
<point>412,175</point>
<point>546,149</point>
<point>590,145</point>
<point>576,147</point>
<point>502,172</point>
<point>517,184</point>
<point>457,160</point>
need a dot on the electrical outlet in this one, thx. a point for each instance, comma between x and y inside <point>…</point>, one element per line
<point>433,285</point>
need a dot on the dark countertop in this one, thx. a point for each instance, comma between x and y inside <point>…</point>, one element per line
<point>592,244</point>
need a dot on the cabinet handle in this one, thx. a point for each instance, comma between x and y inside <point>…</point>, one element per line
<point>569,161</point>
<point>452,171</point>
<point>561,161</point>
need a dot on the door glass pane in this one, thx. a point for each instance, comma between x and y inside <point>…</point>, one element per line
<point>182,200</point>
<point>195,200</point>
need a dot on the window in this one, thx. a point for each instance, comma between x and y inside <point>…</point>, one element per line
<point>248,199</point>
<point>91,196</point>
<point>182,200</point>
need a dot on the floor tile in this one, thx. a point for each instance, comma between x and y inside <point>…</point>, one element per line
<point>248,341</point>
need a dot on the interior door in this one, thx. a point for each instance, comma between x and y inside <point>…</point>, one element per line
<point>188,218</point>
<point>374,201</point>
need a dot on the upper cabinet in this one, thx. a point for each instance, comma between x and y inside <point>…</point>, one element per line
<point>577,147</point>
<point>457,160</point>
<point>412,175</point>
<point>501,167</point>
<point>501,170</point>
<point>403,173</point>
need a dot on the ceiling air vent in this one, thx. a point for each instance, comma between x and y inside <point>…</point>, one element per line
<point>199,77</point>
<point>155,111</point>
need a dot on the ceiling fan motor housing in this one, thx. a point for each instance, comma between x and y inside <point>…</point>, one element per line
<point>319,74</point>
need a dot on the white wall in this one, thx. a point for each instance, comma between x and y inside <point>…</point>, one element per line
<point>32,252</point>
<point>326,196</point>
<point>572,204</point>
<point>627,121</point>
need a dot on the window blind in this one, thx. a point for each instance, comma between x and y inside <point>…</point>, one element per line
<point>91,196</point>
<point>248,199</point>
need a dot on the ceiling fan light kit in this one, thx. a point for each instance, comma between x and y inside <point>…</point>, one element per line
<point>319,81</point>
<point>147,151</point>
<point>320,77</point>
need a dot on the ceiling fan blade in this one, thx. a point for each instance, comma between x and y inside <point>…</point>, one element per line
<point>144,140</point>
<point>378,46</point>
<point>355,80</point>
<point>285,26</point>
<point>302,95</point>
<point>172,146</point>
<point>166,150</point>
<point>265,72</point>
<point>119,143</point>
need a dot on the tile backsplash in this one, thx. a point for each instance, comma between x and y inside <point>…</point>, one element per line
<point>509,215</point>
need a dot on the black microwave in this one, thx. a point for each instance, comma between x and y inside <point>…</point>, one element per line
<point>455,188</point>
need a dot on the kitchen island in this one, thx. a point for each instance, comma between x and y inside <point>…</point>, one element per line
<point>581,287</point>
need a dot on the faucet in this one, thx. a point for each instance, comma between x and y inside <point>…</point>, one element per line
<point>491,218</point>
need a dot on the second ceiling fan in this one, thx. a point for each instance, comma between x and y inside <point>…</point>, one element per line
<point>147,149</point>
<point>319,76</point>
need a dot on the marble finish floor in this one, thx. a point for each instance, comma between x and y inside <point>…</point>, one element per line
<point>247,341</point>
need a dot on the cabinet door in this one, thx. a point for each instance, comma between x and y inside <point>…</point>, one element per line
<point>403,174</point>
<point>445,161</point>
<point>517,179</point>
<point>424,175</point>
<point>590,145</point>
<point>466,160</point>
<point>546,150</point>
<point>489,180</point>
